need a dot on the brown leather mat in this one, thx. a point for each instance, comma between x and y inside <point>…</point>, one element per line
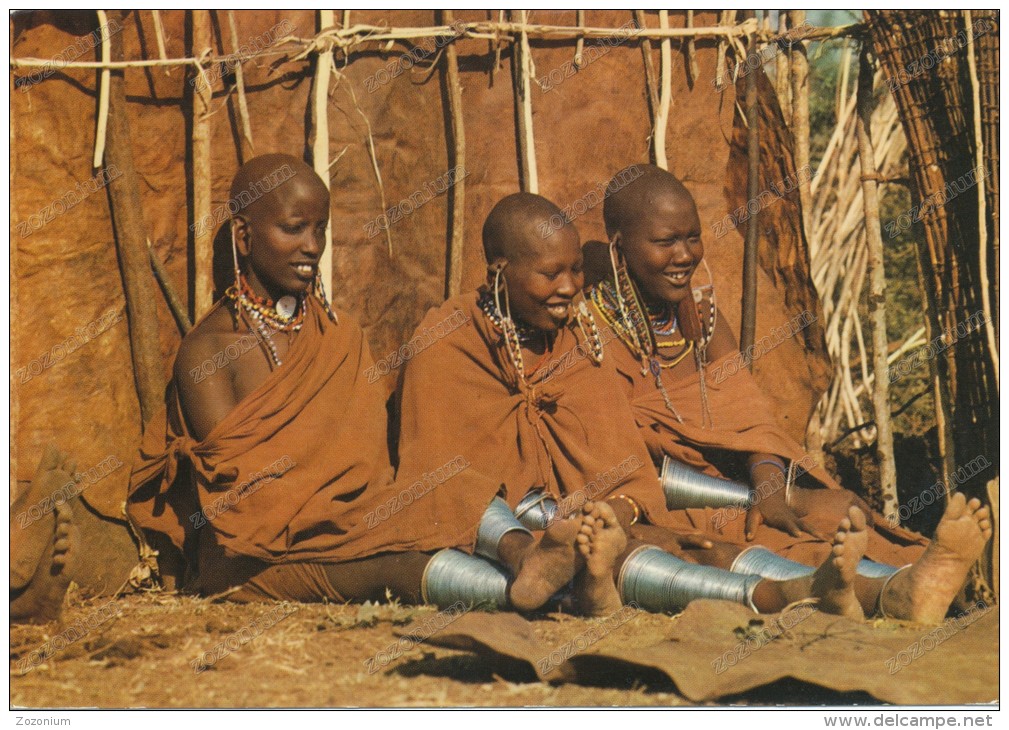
<point>716,649</point>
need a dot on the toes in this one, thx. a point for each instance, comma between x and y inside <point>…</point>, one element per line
<point>983,513</point>
<point>957,505</point>
<point>843,526</point>
<point>856,518</point>
<point>840,537</point>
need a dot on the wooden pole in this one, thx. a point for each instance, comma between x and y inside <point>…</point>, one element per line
<point>247,145</point>
<point>522,70</point>
<point>175,303</point>
<point>781,80</point>
<point>103,92</point>
<point>800,116</point>
<point>203,235</point>
<point>159,35</point>
<point>748,323</point>
<point>457,161</point>
<point>982,218</point>
<point>131,243</point>
<point>15,315</point>
<point>580,41</point>
<point>665,96</point>
<point>877,288</point>
<point>320,137</point>
<point>692,52</point>
<point>650,82</point>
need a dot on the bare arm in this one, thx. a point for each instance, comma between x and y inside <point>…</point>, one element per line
<point>766,470</point>
<point>207,393</point>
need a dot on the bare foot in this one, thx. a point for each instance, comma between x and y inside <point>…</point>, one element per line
<point>834,581</point>
<point>42,547</point>
<point>924,592</point>
<point>601,541</point>
<point>548,566</point>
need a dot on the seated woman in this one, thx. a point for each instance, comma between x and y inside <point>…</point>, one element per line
<point>671,339</point>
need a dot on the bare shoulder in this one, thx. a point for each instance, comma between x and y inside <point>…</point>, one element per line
<point>216,331</point>
<point>206,388</point>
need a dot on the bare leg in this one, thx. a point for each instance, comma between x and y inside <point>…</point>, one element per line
<point>43,550</point>
<point>833,582</point>
<point>600,541</point>
<point>541,568</point>
<point>369,578</point>
<point>924,592</point>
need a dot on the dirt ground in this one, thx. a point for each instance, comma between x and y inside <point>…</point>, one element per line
<point>146,650</point>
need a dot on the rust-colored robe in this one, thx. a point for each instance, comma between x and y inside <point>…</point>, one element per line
<point>320,425</point>
<point>460,397</point>
<point>742,424</point>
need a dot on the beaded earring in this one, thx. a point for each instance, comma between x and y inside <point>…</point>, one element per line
<point>511,336</point>
<point>590,331</point>
<point>638,326</point>
<point>237,286</point>
<point>320,293</point>
<point>632,312</point>
<point>707,332</point>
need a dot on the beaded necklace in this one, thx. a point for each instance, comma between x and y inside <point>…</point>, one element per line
<point>287,315</point>
<point>623,311</point>
<point>526,334</point>
<point>516,335</point>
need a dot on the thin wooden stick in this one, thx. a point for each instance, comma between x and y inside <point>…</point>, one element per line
<point>174,301</point>
<point>103,92</point>
<point>841,93</point>
<point>14,307</point>
<point>800,114</point>
<point>134,260</point>
<point>580,41</point>
<point>497,49</point>
<point>877,289</point>
<point>320,136</point>
<point>481,30</point>
<point>159,34</point>
<point>650,82</point>
<point>781,81</point>
<point>692,52</point>
<point>982,218</point>
<point>527,140</point>
<point>665,96</point>
<point>243,106</point>
<point>203,236</point>
<point>748,317</point>
<point>372,154</point>
<point>725,19</point>
<point>453,278</point>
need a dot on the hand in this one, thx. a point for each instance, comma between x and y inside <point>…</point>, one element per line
<point>833,502</point>
<point>672,542</point>
<point>773,511</point>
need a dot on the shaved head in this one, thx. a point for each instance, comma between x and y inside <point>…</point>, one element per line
<point>259,183</point>
<point>519,225</point>
<point>635,192</point>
